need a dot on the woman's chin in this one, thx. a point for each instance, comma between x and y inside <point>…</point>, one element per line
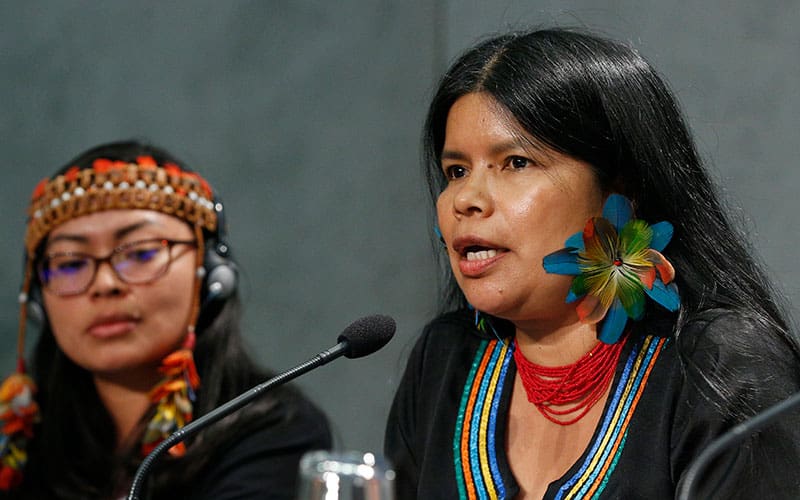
<point>493,305</point>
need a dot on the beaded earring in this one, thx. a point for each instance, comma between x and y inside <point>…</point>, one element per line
<point>439,235</point>
<point>483,323</point>
<point>175,394</point>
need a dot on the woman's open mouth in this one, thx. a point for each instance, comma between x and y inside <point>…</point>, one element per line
<point>477,259</point>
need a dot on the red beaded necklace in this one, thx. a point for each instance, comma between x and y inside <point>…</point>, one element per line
<point>580,384</point>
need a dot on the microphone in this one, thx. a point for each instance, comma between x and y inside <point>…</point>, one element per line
<point>363,337</point>
<point>733,436</point>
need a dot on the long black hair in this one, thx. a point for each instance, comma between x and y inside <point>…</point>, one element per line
<point>599,101</point>
<point>74,452</point>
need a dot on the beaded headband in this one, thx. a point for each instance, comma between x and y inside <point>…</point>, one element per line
<point>118,185</point>
<point>108,185</point>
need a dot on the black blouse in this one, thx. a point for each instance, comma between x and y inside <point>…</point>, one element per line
<point>265,464</point>
<point>446,429</point>
<point>259,462</point>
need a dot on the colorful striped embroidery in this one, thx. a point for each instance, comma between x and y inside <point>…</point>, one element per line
<point>591,478</point>
<point>474,447</point>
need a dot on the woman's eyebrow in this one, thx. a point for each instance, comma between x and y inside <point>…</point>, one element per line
<point>516,143</point>
<point>68,237</point>
<point>502,147</point>
<point>118,234</point>
<point>449,154</point>
<point>126,230</point>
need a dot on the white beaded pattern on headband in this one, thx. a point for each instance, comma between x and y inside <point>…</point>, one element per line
<point>118,185</point>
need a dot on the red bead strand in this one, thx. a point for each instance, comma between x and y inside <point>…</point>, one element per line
<point>580,384</point>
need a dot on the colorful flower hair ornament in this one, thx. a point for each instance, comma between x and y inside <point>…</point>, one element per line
<point>616,262</point>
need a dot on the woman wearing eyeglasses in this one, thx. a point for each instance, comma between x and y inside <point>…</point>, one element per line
<point>126,256</point>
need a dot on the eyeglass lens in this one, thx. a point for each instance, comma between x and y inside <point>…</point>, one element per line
<point>138,262</point>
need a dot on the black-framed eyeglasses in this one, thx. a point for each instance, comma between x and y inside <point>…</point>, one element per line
<point>138,262</point>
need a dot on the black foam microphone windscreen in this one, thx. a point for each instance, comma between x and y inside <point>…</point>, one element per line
<point>366,335</point>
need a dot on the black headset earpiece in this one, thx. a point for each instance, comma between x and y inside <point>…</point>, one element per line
<point>222,274</point>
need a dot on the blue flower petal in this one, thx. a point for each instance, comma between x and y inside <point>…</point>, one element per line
<point>662,234</point>
<point>618,210</point>
<point>576,241</point>
<point>614,323</point>
<point>563,261</point>
<point>666,295</point>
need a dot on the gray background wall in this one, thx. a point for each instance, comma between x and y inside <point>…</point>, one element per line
<point>306,116</point>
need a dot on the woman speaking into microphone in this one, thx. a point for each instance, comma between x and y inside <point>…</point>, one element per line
<point>604,321</point>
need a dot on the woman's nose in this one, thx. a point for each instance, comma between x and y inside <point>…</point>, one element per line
<point>474,195</point>
<point>106,281</point>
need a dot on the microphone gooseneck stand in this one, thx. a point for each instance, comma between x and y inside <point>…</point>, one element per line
<point>363,337</point>
<point>223,411</point>
<point>734,436</point>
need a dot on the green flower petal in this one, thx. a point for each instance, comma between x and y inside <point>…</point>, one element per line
<point>635,237</point>
<point>631,295</point>
<point>577,289</point>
